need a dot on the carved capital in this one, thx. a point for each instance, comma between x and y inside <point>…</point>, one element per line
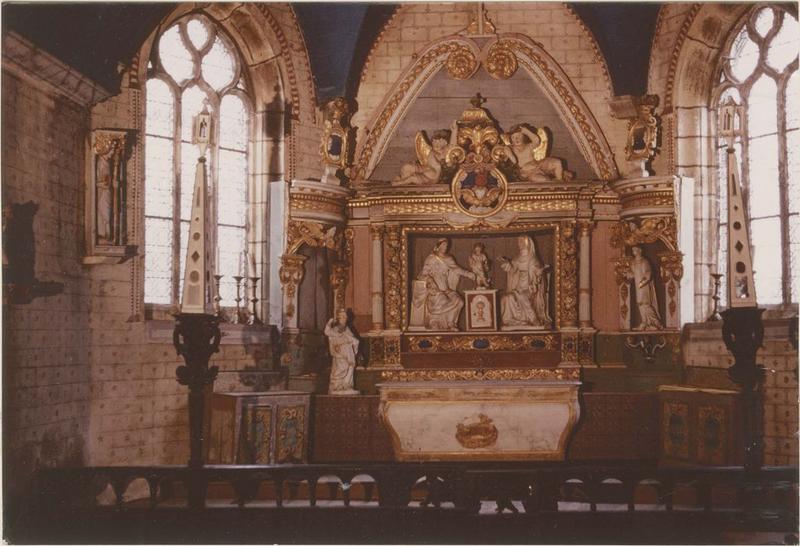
<point>377,231</point>
<point>585,227</point>
<point>671,266</point>
<point>290,274</point>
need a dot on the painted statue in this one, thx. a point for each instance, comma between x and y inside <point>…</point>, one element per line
<point>109,188</point>
<point>343,347</point>
<point>430,159</point>
<point>526,299</point>
<point>529,154</point>
<point>435,304</point>
<point>479,264</point>
<point>642,276</point>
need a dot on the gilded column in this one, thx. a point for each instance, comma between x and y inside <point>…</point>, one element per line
<point>569,274</point>
<point>392,280</point>
<point>377,230</point>
<point>584,274</point>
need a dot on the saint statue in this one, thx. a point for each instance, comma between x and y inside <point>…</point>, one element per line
<point>529,154</point>
<point>479,264</point>
<point>430,159</point>
<point>526,299</point>
<point>642,276</point>
<point>343,347</point>
<point>109,190</point>
<point>435,304</point>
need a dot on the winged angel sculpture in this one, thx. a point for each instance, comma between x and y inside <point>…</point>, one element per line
<point>430,158</point>
<point>529,154</point>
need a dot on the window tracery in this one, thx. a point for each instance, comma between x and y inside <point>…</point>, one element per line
<point>193,63</point>
<point>760,73</point>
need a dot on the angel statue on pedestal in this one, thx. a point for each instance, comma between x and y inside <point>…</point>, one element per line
<point>529,154</point>
<point>430,158</point>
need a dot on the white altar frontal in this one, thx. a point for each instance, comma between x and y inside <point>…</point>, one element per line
<point>523,420</point>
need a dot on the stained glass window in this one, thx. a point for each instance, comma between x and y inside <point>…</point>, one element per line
<point>759,73</point>
<point>193,64</point>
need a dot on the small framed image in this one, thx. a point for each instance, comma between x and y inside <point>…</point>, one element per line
<point>481,309</point>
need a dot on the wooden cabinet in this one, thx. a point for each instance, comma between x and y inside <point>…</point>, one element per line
<point>258,427</point>
<point>700,426</point>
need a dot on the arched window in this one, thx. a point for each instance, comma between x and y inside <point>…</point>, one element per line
<point>759,72</point>
<point>194,63</point>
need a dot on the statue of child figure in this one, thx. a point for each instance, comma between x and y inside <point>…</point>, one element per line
<point>343,347</point>
<point>479,264</point>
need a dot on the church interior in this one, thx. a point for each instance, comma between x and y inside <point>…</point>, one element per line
<point>434,272</point>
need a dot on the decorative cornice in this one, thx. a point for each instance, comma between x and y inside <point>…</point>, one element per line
<point>500,374</point>
<point>24,60</point>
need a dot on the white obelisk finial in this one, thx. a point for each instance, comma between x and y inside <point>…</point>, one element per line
<point>741,288</point>
<point>197,273</point>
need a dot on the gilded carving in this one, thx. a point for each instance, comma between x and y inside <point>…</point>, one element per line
<point>643,130</point>
<point>337,133</point>
<point>671,270</point>
<point>489,343</point>
<point>656,228</point>
<point>479,22</point>
<point>315,203</point>
<point>290,274</point>
<point>491,374</point>
<point>622,272</point>
<point>473,435</point>
<point>391,351</point>
<point>375,347</point>
<point>392,288</point>
<point>377,231</point>
<point>569,275</point>
<point>569,347</point>
<point>501,62</point>
<point>313,234</point>
<point>339,277</point>
<point>348,244</point>
<point>461,63</point>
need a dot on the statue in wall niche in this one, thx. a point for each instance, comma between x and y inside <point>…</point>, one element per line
<point>529,154</point>
<point>435,304</point>
<point>646,299</point>
<point>430,158</point>
<point>524,305</point>
<point>109,150</point>
<point>343,347</point>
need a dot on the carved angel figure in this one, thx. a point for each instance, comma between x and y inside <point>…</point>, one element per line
<point>529,153</point>
<point>430,158</point>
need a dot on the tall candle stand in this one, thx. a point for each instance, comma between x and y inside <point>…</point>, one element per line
<point>254,313</point>
<point>715,316</point>
<point>237,318</point>
<point>217,297</point>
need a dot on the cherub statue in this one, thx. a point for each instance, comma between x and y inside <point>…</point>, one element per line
<point>529,153</point>
<point>430,158</point>
<point>479,264</point>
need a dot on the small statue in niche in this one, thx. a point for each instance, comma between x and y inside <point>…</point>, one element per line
<point>529,154</point>
<point>109,150</point>
<point>343,347</point>
<point>642,275</point>
<point>526,299</point>
<point>430,158</point>
<point>435,304</point>
<point>479,264</point>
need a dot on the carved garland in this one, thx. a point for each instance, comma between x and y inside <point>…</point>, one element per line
<point>622,272</point>
<point>392,289</point>
<point>569,275</point>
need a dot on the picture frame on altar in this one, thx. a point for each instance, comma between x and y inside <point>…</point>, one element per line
<point>481,308</point>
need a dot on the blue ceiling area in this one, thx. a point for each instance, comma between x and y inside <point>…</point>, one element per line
<point>95,37</point>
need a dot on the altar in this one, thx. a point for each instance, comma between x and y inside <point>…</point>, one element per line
<point>482,273</point>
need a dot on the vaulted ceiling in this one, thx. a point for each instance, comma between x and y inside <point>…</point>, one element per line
<point>94,38</point>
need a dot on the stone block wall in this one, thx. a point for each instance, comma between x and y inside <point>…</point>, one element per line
<point>707,360</point>
<point>46,362</point>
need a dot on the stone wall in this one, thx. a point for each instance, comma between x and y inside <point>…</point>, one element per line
<point>46,361</point>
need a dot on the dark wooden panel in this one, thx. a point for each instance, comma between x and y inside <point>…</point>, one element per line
<point>616,426</point>
<point>347,428</point>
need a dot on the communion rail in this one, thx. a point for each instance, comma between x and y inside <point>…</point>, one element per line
<point>537,493</point>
